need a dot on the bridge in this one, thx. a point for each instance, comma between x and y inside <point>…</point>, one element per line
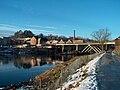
<point>84,47</point>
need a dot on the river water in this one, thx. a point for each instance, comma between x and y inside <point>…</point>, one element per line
<point>16,69</point>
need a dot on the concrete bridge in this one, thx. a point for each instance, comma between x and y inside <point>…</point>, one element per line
<point>84,47</point>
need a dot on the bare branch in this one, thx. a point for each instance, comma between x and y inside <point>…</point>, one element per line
<point>101,35</point>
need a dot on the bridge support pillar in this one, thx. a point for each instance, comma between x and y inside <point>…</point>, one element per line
<point>106,48</point>
<point>62,58</point>
<point>62,48</point>
<point>76,47</point>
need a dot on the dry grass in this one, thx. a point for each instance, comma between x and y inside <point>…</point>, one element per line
<point>51,76</point>
<point>117,52</point>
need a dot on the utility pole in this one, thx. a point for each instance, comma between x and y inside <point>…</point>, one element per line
<point>74,36</point>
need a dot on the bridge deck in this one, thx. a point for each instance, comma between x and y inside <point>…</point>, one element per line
<point>86,44</point>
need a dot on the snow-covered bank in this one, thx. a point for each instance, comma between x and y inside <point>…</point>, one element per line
<point>84,78</point>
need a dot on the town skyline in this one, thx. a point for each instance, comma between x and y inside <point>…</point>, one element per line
<point>59,17</point>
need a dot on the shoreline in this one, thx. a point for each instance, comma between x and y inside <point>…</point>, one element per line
<point>53,76</point>
<point>58,75</point>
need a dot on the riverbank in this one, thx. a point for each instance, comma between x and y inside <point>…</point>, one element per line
<point>21,68</point>
<point>117,53</point>
<point>84,78</point>
<point>101,73</point>
<point>55,77</point>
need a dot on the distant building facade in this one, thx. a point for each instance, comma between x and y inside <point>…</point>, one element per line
<point>117,43</point>
<point>69,42</point>
<point>78,41</point>
<point>33,41</point>
<point>20,41</point>
<point>48,42</point>
<point>54,42</point>
<point>61,42</point>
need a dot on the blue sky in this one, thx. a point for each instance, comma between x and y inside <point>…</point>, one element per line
<point>60,17</point>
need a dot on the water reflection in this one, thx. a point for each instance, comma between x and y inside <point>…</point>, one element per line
<point>15,69</point>
<point>23,61</point>
<point>27,62</point>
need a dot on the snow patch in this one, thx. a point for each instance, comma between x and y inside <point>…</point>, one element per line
<point>84,78</point>
<point>113,54</point>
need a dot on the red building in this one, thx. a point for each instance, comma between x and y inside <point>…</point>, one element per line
<point>33,41</point>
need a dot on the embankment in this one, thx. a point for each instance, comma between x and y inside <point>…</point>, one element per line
<point>117,52</point>
<point>54,78</point>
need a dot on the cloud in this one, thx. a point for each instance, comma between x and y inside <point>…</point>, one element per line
<point>8,26</point>
<point>7,29</point>
<point>45,27</point>
<point>38,31</point>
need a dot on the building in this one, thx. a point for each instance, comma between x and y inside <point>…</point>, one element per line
<point>69,42</point>
<point>78,41</point>
<point>48,42</point>
<point>117,43</point>
<point>33,41</point>
<point>61,42</point>
<point>54,42</point>
<point>20,41</point>
<point>38,43</point>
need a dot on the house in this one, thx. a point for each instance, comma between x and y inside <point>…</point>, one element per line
<point>20,41</point>
<point>38,42</point>
<point>35,41</point>
<point>61,42</point>
<point>78,41</point>
<point>69,42</point>
<point>117,43</point>
<point>48,42</point>
<point>54,42</point>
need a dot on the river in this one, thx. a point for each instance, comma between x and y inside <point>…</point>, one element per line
<point>16,69</point>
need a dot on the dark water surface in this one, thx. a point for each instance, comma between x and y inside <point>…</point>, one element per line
<point>16,69</point>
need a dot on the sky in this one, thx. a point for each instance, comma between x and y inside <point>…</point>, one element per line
<point>60,17</point>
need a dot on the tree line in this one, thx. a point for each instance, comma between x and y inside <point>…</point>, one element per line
<point>101,36</point>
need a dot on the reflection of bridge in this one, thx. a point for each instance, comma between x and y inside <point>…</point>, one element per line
<point>84,47</point>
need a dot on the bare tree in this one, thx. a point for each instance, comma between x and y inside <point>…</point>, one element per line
<point>102,35</point>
